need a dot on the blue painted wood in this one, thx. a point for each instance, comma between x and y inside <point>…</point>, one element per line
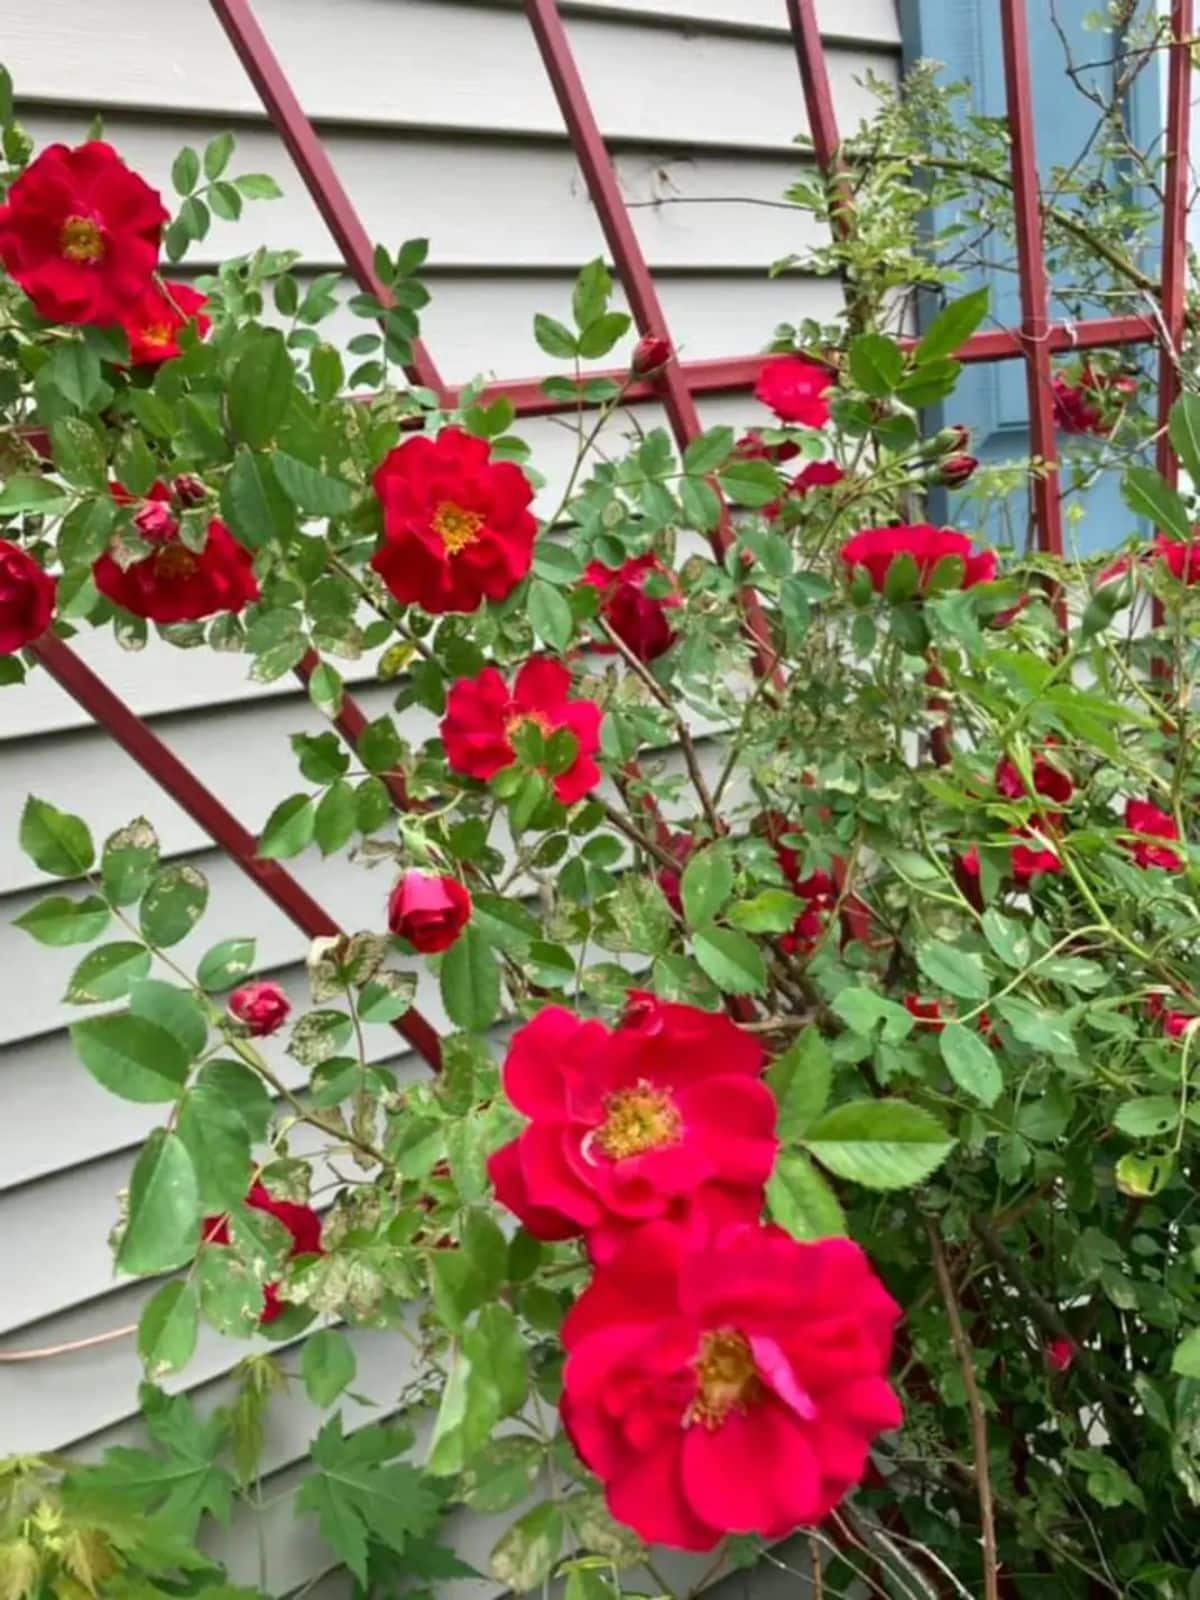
<point>992,400</point>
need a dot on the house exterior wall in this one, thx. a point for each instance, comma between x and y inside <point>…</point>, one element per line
<point>439,118</point>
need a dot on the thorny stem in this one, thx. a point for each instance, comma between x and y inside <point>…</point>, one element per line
<point>979,1433</point>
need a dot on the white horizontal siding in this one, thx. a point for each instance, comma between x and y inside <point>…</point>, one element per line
<point>441,122</point>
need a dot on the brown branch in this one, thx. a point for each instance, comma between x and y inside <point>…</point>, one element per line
<point>979,1433</point>
<point>47,1351</point>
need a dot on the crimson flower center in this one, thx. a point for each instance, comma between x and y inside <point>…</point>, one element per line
<point>80,239</point>
<point>726,1378</point>
<point>455,527</point>
<point>174,562</point>
<point>638,1119</point>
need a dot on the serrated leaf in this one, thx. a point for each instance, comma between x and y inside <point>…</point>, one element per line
<point>173,904</point>
<point>226,964</point>
<point>731,959</point>
<point>289,829</point>
<point>957,972</point>
<point>880,1144</point>
<point>971,1062</point>
<point>131,1057</point>
<point>876,363</point>
<point>163,1230</point>
<point>800,1200</point>
<point>801,1080</point>
<point>107,973</point>
<point>524,1556</point>
<point>215,1134</point>
<point>1186,1360</point>
<point>313,492</point>
<point>706,884</point>
<point>260,389</point>
<point>128,861</point>
<point>1148,494</point>
<point>1148,1117</point>
<point>327,1365</point>
<point>751,483</point>
<point>952,327</point>
<point>502,1474</point>
<point>172,1009</point>
<point>167,1329</point>
<point>1184,430</point>
<point>61,921</point>
<point>555,339</point>
<point>55,841</point>
<point>470,981</point>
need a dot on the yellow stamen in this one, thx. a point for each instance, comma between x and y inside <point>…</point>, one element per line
<point>726,1378</point>
<point>638,1119</point>
<point>158,334</point>
<point>81,240</point>
<point>455,527</point>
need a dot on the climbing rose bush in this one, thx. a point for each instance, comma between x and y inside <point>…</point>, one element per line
<point>761,1068</point>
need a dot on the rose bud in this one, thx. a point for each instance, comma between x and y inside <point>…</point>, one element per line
<point>188,490</point>
<point>954,471</point>
<point>430,912</point>
<point>155,522</point>
<point>953,440</point>
<point>1060,1353</point>
<point>649,354</point>
<point>262,1007</point>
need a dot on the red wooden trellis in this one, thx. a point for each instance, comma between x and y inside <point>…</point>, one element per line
<point>680,382</point>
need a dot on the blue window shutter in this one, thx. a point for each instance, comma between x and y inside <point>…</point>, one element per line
<point>992,400</point>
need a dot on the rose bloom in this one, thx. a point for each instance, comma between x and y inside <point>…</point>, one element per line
<point>795,390</point>
<point>638,619</point>
<point>1183,560</point>
<point>954,471</point>
<point>817,475</point>
<point>1036,857</point>
<point>1060,1353</point>
<point>1149,823</point>
<point>457,525</point>
<point>927,1011</point>
<point>665,1116</point>
<point>649,354</point>
<point>173,583</point>
<point>728,1386</point>
<point>876,548</point>
<point>482,714</point>
<point>1074,410</point>
<point>302,1222</point>
<point>262,1006</point>
<point>80,233</point>
<point>26,598</point>
<point>160,315</point>
<point>1048,780</point>
<point>752,447</point>
<point>1175,1023</point>
<point>429,911</point>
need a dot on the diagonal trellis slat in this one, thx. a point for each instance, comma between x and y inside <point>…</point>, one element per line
<point>679,384</point>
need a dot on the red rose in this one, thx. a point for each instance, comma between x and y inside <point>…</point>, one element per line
<point>189,490</point>
<point>173,583</point>
<point>732,1386</point>
<point>1060,1353</point>
<point>1175,1023</point>
<point>1149,823</point>
<point>80,233</point>
<point>638,619</point>
<point>966,876</point>
<point>927,1011</point>
<point>262,1006</point>
<point>1074,409</point>
<point>160,315</point>
<point>876,548</point>
<point>1039,856</point>
<point>751,447</point>
<point>954,471</point>
<point>1183,560</point>
<point>482,713</point>
<point>681,846</point>
<point>1048,780</point>
<point>795,390</point>
<point>302,1222</point>
<point>817,475</point>
<point>457,528</point>
<point>649,354</point>
<point>665,1116</point>
<point>819,889</point>
<point>26,598</point>
<point>430,912</point>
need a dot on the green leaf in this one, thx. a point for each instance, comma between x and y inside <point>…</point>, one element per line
<point>1184,431</point>
<point>591,294</point>
<point>503,1473</point>
<point>260,390</point>
<point>971,1063</point>
<point>61,921</point>
<point>555,339</point>
<point>313,491</point>
<point>751,483</point>
<point>30,494</point>
<point>358,1493</point>
<point>216,155</point>
<point>708,452</point>
<point>336,817</point>
<point>1148,1117</point>
<point>167,1329</point>
<point>289,829</point>
<point>242,1089</point>
<point>1008,938</point>
<point>55,841</point>
<point>173,904</point>
<point>128,862</point>
<point>800,1200</point>
<point>957,972</point>
<point>258,186</point>
<point>706,884</point>
<point>880,1144</point>
<point>327,1365</point>
<point>107,973</point>
<point>215,1134</point>
<point>164,1208</point>
<point>496,1351</point>
<point>470,981</point>
<point>549,614</point>
<point>770,911</point>
<point>862,1010</point>
<point>1186,1360</point>
<point>79,453</point>
<point>524,1556</point>
<point>598,338</point>
<point>732,960</point>
<point>253,503</point>
<point>131,1057</point>
<point>801,1080</point>
<point>185,170</point>
<point>225,965</point>
<point>876,363</point>
<point>172,1009</point>
<point>75,373</point>
<point>952,327</point>
<point>1148,494</point>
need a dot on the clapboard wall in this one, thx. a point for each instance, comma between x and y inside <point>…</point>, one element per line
<point>439,117</point>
